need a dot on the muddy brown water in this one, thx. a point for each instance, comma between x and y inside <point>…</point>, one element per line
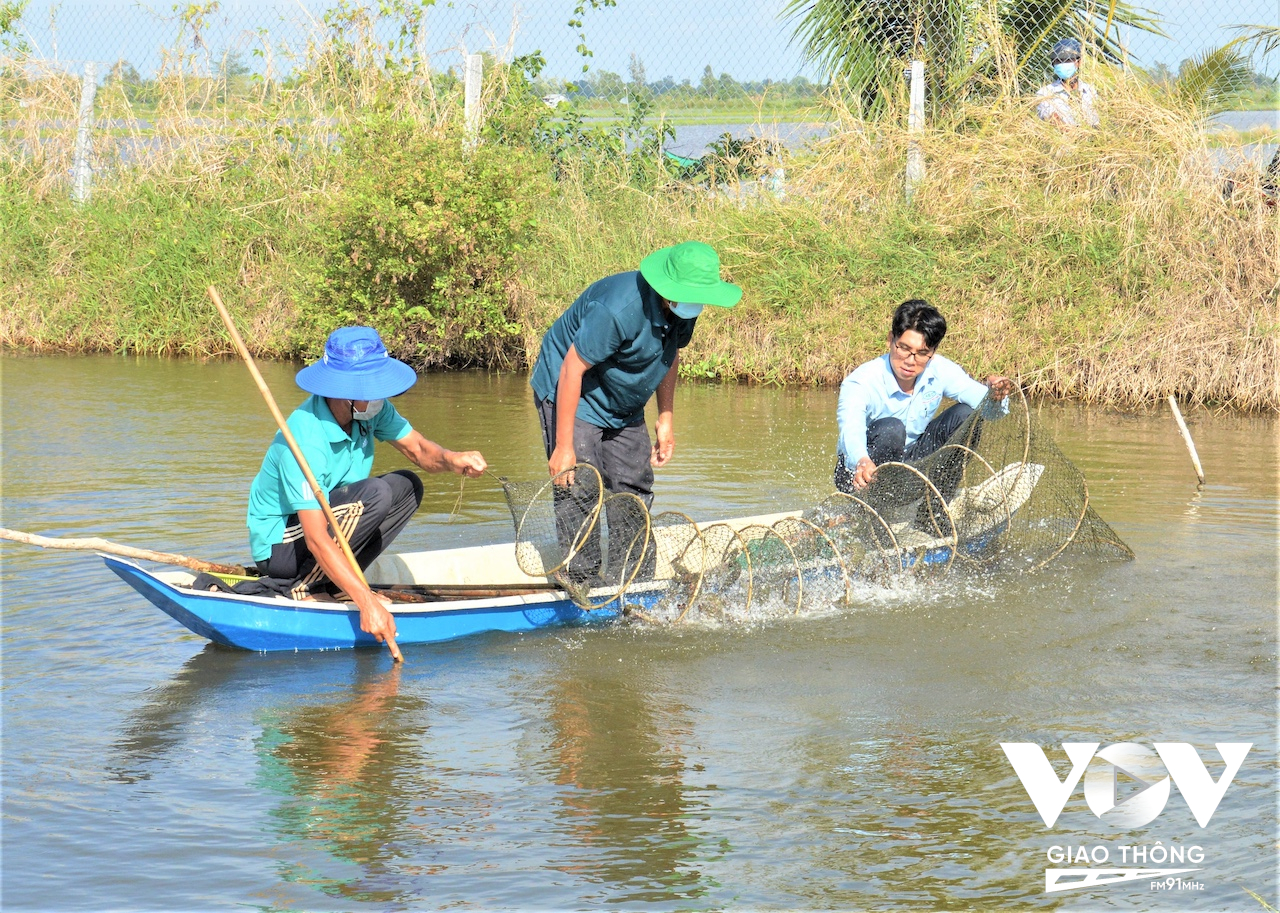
<point>849,761</point>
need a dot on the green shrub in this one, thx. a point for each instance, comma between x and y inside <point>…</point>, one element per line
<point>421,240</point>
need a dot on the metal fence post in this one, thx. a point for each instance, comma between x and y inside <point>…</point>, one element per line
<point>915,123</point>
<point>471,106</point>
<point>82,172</point>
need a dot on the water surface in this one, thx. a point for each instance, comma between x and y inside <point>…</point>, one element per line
<point>849,761</point>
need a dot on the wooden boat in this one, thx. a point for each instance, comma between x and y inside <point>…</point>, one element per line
<point>482,588</point>
<point>274,623</point>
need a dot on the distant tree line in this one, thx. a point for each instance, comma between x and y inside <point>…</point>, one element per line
<point>607,85</point>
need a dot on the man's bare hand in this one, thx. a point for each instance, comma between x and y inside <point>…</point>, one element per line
<point>665,445</point>
<point>376,617</point>
<point>864,474</point>
<point>999,387</point>
<point>562,458</point>
<point>469,463</point>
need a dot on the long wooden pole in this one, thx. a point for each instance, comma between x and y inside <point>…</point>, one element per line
<point>426,592</point>
<point>296,450</point>
<point>1186,437</point>
<point>95,544</point>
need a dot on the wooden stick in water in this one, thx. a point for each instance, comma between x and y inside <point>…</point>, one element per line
<point>1186,437</point>
<point>297,451</point>
<point>95,544</point>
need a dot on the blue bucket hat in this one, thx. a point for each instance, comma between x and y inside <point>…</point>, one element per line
<point>356,366</point>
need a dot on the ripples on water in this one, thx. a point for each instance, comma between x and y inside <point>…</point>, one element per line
<point>847,760</point>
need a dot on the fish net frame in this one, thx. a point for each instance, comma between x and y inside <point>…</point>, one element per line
<point>998,494</point>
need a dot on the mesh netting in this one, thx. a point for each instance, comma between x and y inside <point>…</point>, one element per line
<point>999,495</point>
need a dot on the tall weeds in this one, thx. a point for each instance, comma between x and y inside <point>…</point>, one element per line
<point>1103,265</point>
<point>1100,265</point>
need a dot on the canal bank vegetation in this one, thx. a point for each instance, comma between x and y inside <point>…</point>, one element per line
<point>1105,265</point>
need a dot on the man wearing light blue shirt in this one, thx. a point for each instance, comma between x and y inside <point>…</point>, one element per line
<point>887,405</point>
<point>335,429</point>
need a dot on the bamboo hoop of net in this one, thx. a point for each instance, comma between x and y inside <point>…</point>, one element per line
<point>896,549</point>
<point>643,535</point>
<point>1075,530</point>
<point>701,573</point>
<point>734,536</point>
<point>588,524</point>
<point>835,551</point>
<point>1004,496</point>
<point>955,538</point>
<point>764,532</point>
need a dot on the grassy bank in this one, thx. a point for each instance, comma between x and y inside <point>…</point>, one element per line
<point>1102,266</point>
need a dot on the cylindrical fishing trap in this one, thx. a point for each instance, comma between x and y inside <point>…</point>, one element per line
<point>998,495</point>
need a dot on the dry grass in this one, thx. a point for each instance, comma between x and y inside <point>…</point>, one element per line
<point>1099,265</point>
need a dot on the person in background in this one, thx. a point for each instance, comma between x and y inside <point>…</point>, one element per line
<point>1068,101</point>
<point>887,406</point>
<point>335,428</point>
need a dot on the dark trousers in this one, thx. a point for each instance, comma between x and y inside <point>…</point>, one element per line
<point>887,442</point>
<point>622,457</point>
<point>370,513</point>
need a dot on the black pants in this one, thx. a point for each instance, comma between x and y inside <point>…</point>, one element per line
<point>622,457</point>
<point>371,514</point>
<point>887,442</point>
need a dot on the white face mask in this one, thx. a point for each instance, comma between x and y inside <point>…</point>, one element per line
<point>372,409</point>
<point>686,310</point>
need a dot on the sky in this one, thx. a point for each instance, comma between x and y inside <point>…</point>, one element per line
<point>677,38</point>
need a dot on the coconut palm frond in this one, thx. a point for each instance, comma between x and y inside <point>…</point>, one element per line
<point>1264,38</point>
<point>1210,82</point>
<point>864,43</point>
<point>1036,24</point>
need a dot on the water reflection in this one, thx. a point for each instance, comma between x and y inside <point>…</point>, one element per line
<point>616,753</point>
<point>335,764</point>
<point>336,755</point>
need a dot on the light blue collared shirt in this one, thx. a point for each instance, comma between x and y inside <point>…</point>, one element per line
<point>871,392</point>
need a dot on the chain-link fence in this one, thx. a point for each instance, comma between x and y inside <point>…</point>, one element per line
<point>704,52</point>
<point>713,68</point>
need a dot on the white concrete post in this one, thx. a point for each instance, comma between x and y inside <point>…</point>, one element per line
<point>471,106</point>
<point>915,123</point>
<point>82,172</point>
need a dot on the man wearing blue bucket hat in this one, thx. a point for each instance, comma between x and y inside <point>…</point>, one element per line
<point>335,429</point>
<point>617,346</point>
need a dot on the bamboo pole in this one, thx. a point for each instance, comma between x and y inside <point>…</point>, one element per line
<point>408,593</point>
<point>95,544</point>
<point>296,450</point>
<point>1186,437</point>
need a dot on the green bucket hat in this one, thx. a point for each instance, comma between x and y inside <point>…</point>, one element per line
<point>689,272</point>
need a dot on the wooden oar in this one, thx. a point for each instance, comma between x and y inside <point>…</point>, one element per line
<point>95,544</point>
<point>297,451</point>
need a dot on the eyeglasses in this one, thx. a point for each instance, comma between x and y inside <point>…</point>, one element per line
<point>906,352</point>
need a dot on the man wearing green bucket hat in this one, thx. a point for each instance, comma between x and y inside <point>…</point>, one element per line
<point>617,346</point>
<point>336,427</point>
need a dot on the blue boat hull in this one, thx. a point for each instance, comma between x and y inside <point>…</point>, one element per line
<point>271,624</point>
<point>268,624</point>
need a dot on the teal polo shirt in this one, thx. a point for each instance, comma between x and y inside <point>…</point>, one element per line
<point>619,327</point>
<point>336,458</point>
